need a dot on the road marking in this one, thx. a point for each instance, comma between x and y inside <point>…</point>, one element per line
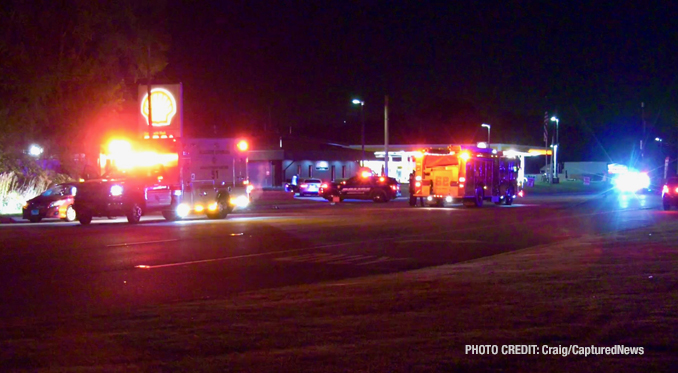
<point>340,244</point>
<point>349,259</point>
<point>227,258</point>
<point>445,241</point>
<point>382,259</point>
<point>140,243</point>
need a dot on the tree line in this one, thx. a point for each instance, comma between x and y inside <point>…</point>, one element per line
<point>67,68</point>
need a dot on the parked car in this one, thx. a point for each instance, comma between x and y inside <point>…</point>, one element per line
<point>366,187</point>
<point>55,203</point>
<point>670,193</point>
<point>310,187</point>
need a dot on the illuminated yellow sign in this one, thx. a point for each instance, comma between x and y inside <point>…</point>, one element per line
<point>540,152</point>
<point>163,107</point>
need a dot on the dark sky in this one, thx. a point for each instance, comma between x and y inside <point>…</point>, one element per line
<point>247,66</point>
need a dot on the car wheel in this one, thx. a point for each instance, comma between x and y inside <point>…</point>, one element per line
<point>134,213</point>
<point>667,205</point>
<point>508,200</point>
<point>478,201</point>
<point>379,197</point>
<point>84,217</point>
<point>35,219</point>
<point>221,213</point>
<point>170,215</point>
<point>70,214</point>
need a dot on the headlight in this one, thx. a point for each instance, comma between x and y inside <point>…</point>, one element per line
<point>199,208</point>
<point>212,206</point>
<point>57,203</point>
<point>183,210</point>
<point>240,201</point>
<point>116,190</point>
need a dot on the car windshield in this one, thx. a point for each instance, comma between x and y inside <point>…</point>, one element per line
<point>53,191</point>
<point>313,181</point>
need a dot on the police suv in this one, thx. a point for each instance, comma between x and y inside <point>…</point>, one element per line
<point>367,186</point>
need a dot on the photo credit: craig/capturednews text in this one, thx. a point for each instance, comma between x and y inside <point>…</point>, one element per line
<point>552,350</point>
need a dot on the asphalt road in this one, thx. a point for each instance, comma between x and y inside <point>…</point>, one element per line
<point>59,268</point>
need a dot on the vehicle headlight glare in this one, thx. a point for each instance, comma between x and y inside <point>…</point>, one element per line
<point>212,206</point>
<point>57,203</point>
<point>116,190</point>
<point>240,201</point>
<point>183,210</point>
<point>199,208</point>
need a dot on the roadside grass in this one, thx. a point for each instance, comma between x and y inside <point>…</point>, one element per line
<point>614,290</point>
<point>569,187</point>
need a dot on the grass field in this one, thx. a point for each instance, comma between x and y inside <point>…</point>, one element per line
<point>590,291</point>
<point>567,186</point>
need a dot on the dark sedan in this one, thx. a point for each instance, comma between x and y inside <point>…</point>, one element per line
<point>56,203</point>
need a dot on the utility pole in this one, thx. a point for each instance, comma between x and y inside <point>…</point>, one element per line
<point>148,88</point>
<point>546,144</point>
<point>642,139</point>
<point>386,136</point>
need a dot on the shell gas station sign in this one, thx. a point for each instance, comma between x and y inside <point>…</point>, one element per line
<point>164,114</point>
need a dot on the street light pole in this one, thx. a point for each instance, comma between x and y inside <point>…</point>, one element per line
<point>488,133</point>
<point>386,136</point>
<point>362,137</point>
<point>555,148</point>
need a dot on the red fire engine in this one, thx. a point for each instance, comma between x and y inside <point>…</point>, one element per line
<point>470,175</point>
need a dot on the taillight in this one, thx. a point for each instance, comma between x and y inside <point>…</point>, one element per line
<point>323,186</point>
<point>393,187</point>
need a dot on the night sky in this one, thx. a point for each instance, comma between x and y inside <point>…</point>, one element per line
<point>254,66</point>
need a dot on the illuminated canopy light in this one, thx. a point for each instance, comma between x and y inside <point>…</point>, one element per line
<point>119,147</point>
<point>163,105</point>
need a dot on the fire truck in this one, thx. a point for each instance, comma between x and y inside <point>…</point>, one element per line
<point>163,175</point>
<point>470,175</point>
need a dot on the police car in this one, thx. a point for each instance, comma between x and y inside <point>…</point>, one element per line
<point>366,186</point>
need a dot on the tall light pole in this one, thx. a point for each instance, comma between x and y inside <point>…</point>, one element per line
<point>555,148</point>
<point>488,132</point>
<point>362,137</point>
<point>386,136</point>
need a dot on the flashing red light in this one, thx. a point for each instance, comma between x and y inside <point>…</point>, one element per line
<point>323,185</point>
<point>382,179</point>
<point>242,145</point>
<point>521,194</point>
